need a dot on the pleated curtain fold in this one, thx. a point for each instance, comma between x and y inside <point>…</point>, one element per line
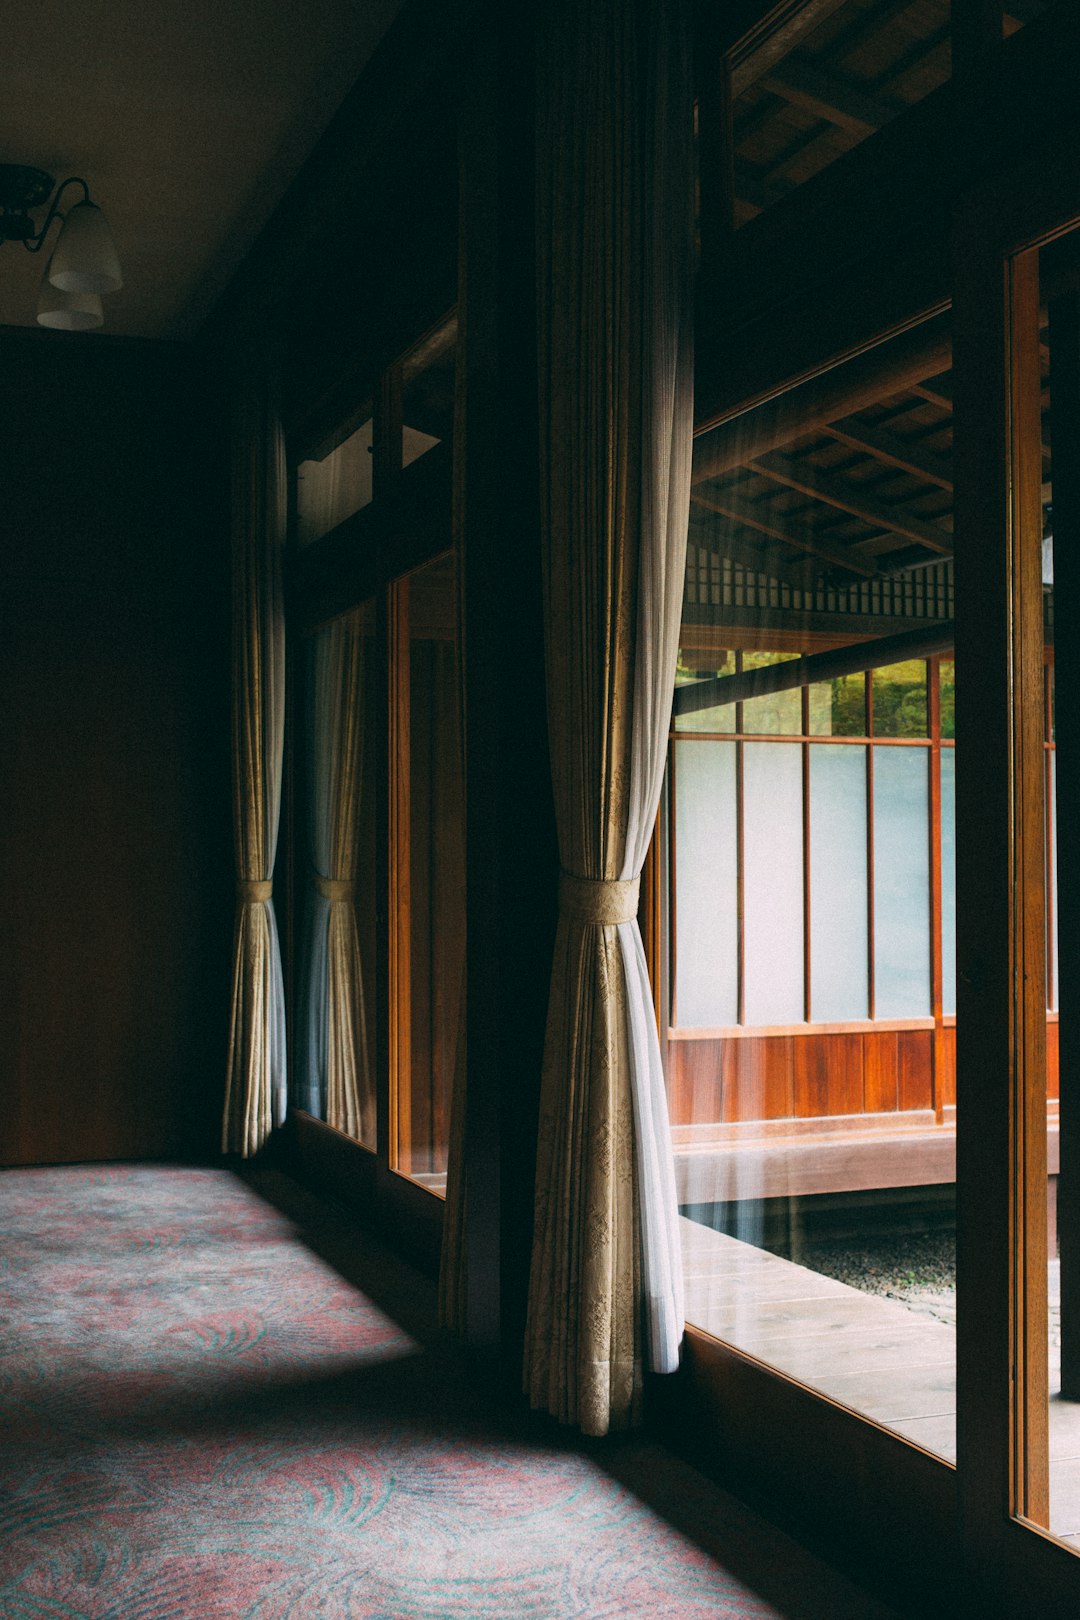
<point>339,1078</point>
<point>255,1096</point>
<point>614,252</point>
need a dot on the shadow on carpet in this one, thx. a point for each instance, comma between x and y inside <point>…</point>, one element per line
<point>217,1407</point>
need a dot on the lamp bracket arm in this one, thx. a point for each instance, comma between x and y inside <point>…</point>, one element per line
<point>34,244</point>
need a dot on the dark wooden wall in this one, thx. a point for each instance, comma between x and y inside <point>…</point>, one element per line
<point>115,853</point>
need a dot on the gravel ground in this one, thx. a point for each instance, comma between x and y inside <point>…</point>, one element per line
<point>918,1269</point>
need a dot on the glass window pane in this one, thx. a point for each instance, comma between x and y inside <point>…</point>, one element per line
<point>699,665</point>
<point>947,696</point>
<point>336,1047</point>
<point>428,867</point>
<point>773,883</point>
<point>948,882</point>
<point>427,393</point>
<point>899,699</point>
<point>777,713</point>
<point>838,707</point>
<point>839,967</point>
<point>901,884</point>
<point>331,488</point>
<point>706,918</point>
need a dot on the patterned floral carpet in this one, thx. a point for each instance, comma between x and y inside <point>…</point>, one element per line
<point>202,1419</point>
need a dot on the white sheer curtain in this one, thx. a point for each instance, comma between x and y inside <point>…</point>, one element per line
<point>255,1096</point>
<point>667,358</point>
<point>615,301</point>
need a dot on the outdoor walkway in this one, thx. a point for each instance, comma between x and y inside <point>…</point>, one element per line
<point>887,1361</point>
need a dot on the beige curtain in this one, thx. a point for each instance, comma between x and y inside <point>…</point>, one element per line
<point>614,199</point>
<point>255,1096</point>
<point>338,1067</point>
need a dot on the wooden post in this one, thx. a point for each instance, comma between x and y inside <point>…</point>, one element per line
<point>1065,397</point>
<point>1002,1397</point>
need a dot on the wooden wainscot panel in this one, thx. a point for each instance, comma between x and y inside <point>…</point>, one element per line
<point>828,1075</point>
<point>759,1079</point>
<point>946,1077</point>
<point>915,1057</point>
<point>1052,1084</point>
<point>880,1079</point>
<point>696,1088</point>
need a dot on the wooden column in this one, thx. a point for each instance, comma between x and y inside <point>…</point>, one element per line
<point>511,857</point>
<point>1065,399</point>
<point>1001,1000</point>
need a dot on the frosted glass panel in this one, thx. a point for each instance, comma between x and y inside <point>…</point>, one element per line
<point>901,884</point>
<point>948,882</point>
<point>777,713</point>
<point>330,490</point>
<point>838,884</point>
<point>773,883</point>
<point>706,916</point>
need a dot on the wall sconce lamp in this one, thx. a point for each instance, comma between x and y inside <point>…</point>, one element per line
<point>83,264</point>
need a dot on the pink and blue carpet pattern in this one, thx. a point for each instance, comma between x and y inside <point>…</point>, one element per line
<point>202,1419</point>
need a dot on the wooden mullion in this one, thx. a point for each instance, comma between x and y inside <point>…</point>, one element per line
<point>807,988</point>
<point>1002,1412</point>
<point>740,878</point>
<point>1030,1450</point>
<point>871,988</point>
<point>740,853</point>
<point>937,1065</point>
<point>1065,396</point>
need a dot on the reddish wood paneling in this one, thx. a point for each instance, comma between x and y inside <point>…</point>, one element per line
<point>695,1081</point>
<point>758,1079</point>
<point>915,1056</point>
<point>880,1073</point>
<point>828,1075</point>
<point>116,880</point>
<point>946,1087</point>
<point>1052,1059</point>
<point>817,1075</point>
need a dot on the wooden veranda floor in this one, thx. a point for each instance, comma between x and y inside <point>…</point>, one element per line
<point>887,1361</point>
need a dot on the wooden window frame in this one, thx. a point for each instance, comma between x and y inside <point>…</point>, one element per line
<point>861,1493</point>
<point>406,524</point>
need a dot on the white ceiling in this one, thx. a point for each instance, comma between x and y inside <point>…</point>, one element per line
<point>188,119</point>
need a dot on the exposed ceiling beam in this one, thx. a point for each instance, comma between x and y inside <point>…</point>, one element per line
<point>792,530</point>
<point>778,33</point>
<point>891,368</point>
<point>828,96</point>
<point>892,449</point>
<point>923,642</point>
<point>849,497</point>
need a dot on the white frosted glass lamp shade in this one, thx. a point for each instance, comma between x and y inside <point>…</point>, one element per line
<point>84,259</point>
<point>68,311</point>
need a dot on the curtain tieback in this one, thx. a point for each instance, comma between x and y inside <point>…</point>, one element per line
<point>251,890</point>
<point>334,888</point>
<point>600,902</point>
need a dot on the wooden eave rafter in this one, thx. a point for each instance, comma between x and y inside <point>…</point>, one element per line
<point>827,96</point>
<point>847,496</point>
<point>892,450</point>
<point>793,531</point>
